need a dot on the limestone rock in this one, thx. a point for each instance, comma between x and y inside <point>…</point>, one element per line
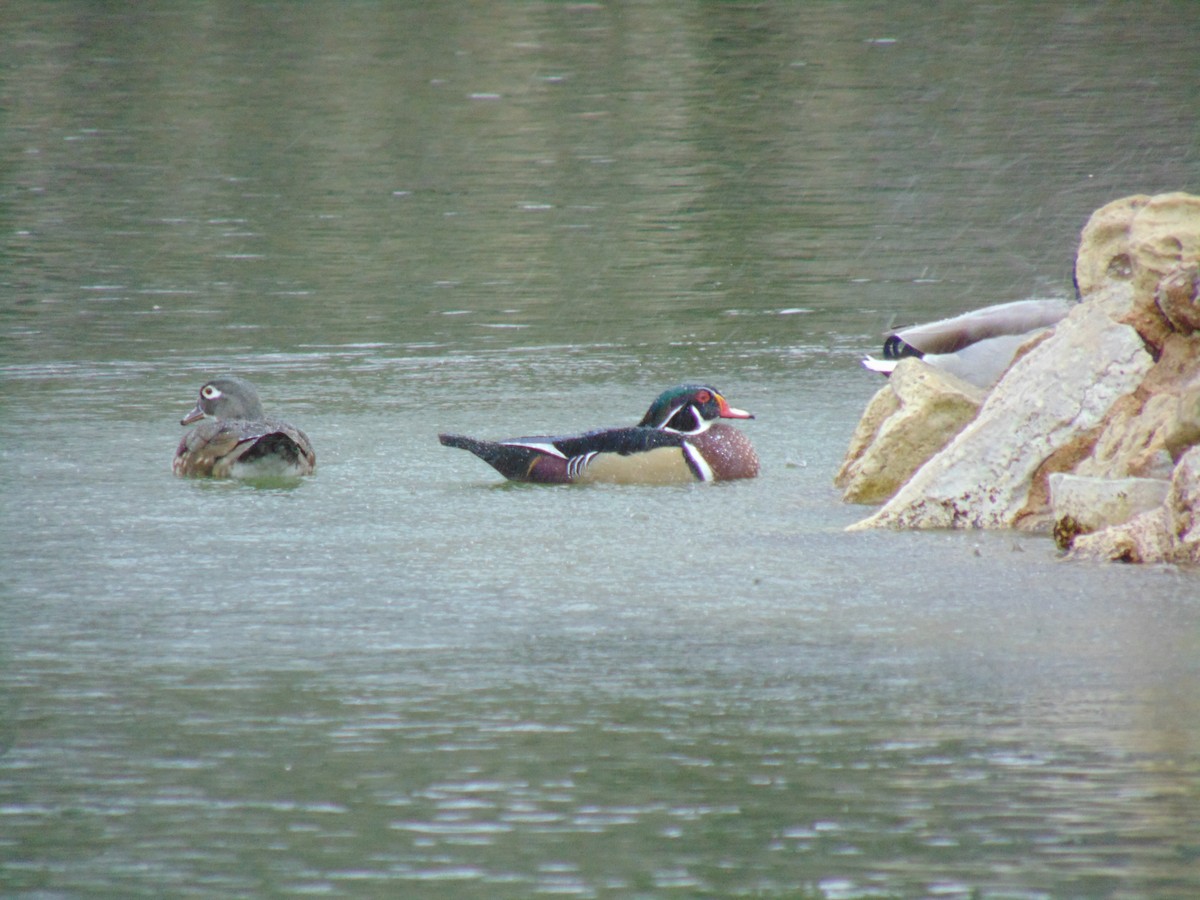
<point>1163,235</point>
<point>1104,253</point>
<point>1177,297</point>
<point>1170,533</point>
<point>1053,399</point>
<point>1083,505</point>
<point>1138,436</point>
<point>1183,430</point>
<point>879,409</point>
<point>914,416</point>
<point>1111,396</point>
<point>1137,239</point>
<point>1140,240</point>
<point>1183,506</point>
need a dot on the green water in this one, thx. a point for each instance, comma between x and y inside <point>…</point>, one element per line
<point>403,677</point>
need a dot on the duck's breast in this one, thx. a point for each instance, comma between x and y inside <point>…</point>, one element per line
<point>728,452</point>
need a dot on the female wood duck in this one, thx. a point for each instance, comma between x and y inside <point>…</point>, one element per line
<point>679,440</point>
<point>977,346</point>
<point>240,441</point>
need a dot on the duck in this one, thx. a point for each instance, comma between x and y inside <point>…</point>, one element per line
<point>679,440</point>
<point>977,346</point>
<point>237,440</point>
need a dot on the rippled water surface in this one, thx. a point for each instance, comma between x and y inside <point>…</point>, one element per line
<point>403,677</point>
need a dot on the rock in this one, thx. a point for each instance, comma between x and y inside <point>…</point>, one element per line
<point>1052,401</point>
<point>1136,434</point>
<point>1164,234</point>
<point>1176,298</point>
<point>1140,240</point>
<point>1170,533</point>
<point>1086,427</point>
<point>914,416</point>
<point>1183,430</point>
<point>879,409</point>
<point>1137,239</point>
<point>1183,507</point>
<point>1083,505</point>
<point>1104,253</point>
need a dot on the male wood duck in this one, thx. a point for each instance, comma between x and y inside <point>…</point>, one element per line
<point>239,441</point>
<point>977,346</point>
<point>679,440</point>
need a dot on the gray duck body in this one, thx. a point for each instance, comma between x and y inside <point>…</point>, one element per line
<point>977,346</point>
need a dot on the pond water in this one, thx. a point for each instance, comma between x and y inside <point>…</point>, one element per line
<point>403,677</point>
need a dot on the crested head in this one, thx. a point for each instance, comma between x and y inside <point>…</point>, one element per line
<point>689,408</point>
<point>226,397</point>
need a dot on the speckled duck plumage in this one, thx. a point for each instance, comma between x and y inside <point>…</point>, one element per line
<point>237,439</point>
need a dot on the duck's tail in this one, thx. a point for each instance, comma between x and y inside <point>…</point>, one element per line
<point>883,366</point>
<point>462,442</point>
<point>513,461</point>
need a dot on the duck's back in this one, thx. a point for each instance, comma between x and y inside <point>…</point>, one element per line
<point>244,449</point>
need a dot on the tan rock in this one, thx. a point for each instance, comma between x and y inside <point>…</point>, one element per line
<point>1177,296</point>
<point>919,411</point>
<point>1140,240</point>
<point>1183,431</point>
<point>1092,504</point>
<point>1143,539</point>
<point>1104,251</point>
<point>879,409</point>
<point>1164,234</point>
<point>1168,534</point>
<point>1050,399</point>
<point>1112,394</point>
<point>1132,439</point>
<point>1139,433</point>
<point>1183,507</point>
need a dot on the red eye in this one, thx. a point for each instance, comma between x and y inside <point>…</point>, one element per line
<point>703,397</point>
<point>208,392</point>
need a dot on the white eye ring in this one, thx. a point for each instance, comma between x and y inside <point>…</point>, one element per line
<point>209,392</point>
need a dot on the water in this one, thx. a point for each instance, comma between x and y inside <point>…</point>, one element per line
<point>404,677</point>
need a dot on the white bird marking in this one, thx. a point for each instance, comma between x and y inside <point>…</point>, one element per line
<point>576,464</point>
<point>547,448</point>
<point>702,424</point>
<point>698,461</point>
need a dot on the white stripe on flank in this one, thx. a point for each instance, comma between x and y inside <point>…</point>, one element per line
<point>576,464</point>
<point>706,472</point>
<point>541,448</point>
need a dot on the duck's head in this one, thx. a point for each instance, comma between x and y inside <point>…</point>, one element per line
<point>226,397</point>
<point>689,408</point>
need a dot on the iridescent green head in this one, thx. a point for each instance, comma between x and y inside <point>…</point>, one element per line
<point>689,408</point>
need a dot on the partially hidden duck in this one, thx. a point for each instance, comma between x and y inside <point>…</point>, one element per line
<point>679,440</point>
<point>976,346</point>
<point>237,440</point>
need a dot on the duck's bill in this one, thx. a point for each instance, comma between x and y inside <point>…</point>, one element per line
<point>194,416</point>
<point>732,412</point>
